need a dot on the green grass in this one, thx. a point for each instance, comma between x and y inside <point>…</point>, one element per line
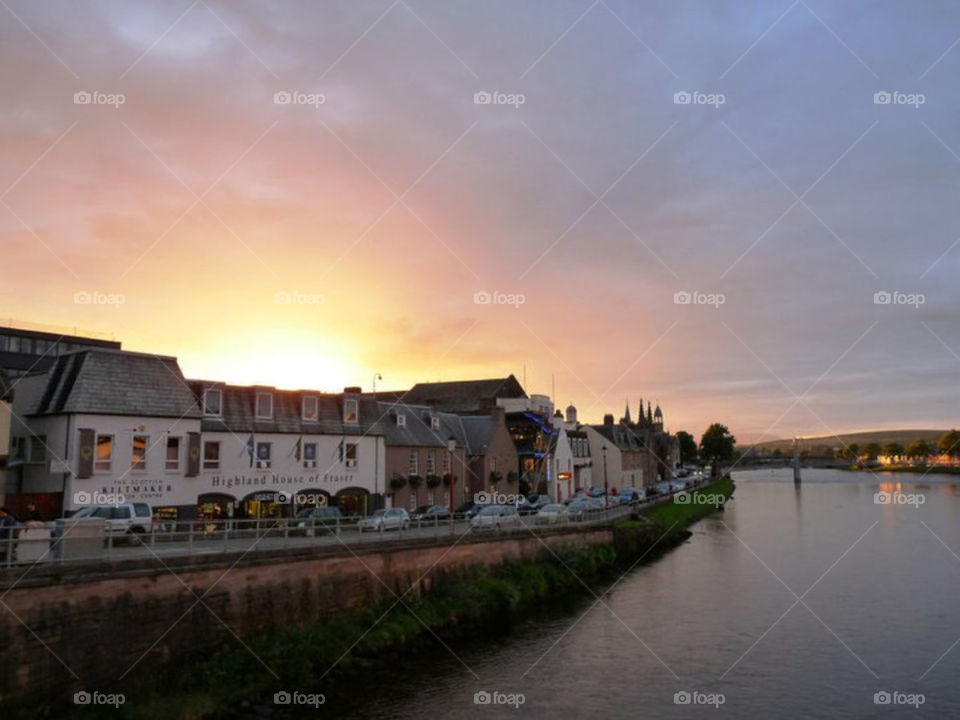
<point>681,515</point>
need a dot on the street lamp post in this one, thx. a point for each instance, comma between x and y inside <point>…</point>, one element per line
<point>605,489</point>
<point>452,447</point>
<point>376,376</point>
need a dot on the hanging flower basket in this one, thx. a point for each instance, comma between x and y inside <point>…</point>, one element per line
<point>398,482</point>
<point>433,481</point>
<point>415,481</point>
<point>513,476</point>
<point>447,479</point>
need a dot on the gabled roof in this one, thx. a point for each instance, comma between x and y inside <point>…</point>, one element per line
<point>417,430</point>
<point>479,431</point>
<point>465,396</point>
<point>624,438</point>
<point>115,382</point>
<point>238,412</point>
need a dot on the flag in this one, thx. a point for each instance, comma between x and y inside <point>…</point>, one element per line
<point>298,448</point>
<point>250,444</point>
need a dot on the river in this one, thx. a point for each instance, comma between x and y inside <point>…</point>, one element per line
<point>719,618</point>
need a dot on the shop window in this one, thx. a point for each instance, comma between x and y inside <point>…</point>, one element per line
<point>173,453</point>
<point>104,456</point>
<point>138,461</point>
<point>211,455</point>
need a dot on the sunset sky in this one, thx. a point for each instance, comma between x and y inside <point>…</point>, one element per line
<point>381,211</point>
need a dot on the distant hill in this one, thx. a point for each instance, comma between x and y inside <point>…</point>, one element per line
<point>904,437</point>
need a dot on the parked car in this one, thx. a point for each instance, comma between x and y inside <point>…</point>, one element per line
<point>430,514</point>
<point>632,495</point>
<point>467,510</point>
<point>582,509</point>
<point>322,519</point>
<point>678,485</point>
<point>495,517</point>
<point>123,518</point>
<point>663,488</point>
<point>552,514</point>
<point>537,502</point>
<point>390,519</point>
<point>595,491</point>
<point>578,495</point>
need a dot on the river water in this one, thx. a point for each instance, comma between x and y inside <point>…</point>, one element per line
<point>719,618</point>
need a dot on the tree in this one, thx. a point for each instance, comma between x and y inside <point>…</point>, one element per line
<point>716,445</point>
<point>893,449</point>
<point>854,449</point>
<point>688,447</point>
<point>918,450</point>
<point>872,449</point>
<point>949,443</point>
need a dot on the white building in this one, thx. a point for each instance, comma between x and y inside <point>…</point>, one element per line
<point>112,423</point>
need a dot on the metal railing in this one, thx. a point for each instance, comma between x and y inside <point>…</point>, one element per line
<point>63,542</point>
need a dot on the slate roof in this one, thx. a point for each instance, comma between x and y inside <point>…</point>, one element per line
<point>115,382</point>
<point>479,430</point>
<point>238,412</point>
<point>625,439</point>
<point>418,432</point>
<point>465,396</point>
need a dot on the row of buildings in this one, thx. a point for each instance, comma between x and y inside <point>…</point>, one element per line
<point>84,421</point>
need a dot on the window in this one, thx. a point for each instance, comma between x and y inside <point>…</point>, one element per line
<point>414,464</point>
<point>265,405</point>
<point>434,422</point>
<point>311,408</point>
<point>38,449</point>
<point>212,401</point>
<point>401,420</point>
<point>211,455</point>
<point>351,411</point>
<point>138,461</point>
<point>173,453</point>
<point>310,455</point>
<point>264,451</point>
<point>431,463</point>
<point>104,457</point>
<point>446,463</point>
<point>17,448</point>
<point>351,455</point>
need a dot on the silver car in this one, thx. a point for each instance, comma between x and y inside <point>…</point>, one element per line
<point>390,519</point>
<point>495,517</point>
<point>552,514</point>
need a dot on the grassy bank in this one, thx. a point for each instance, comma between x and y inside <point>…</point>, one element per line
<point>335,656</point>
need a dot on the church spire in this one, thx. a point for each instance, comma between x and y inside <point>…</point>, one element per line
<point>626,416</point>
<point>649,414</point>
<point>640,413</point>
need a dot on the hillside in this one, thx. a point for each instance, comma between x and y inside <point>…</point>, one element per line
<point>904,437</point>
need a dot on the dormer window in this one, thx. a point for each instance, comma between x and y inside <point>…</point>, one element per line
<point>264,406</point>
<point>311,408</point>
<point>434,422</point>
<point>351,411</point>
<point>401,420</point>
<point>212,402</point>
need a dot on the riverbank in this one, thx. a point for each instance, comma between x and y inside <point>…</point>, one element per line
<point>915,469</point>
<point>338,654</point>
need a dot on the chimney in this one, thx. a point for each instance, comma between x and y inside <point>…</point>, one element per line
<point>571,414</point>
<point>608,419</point>
<point>352,390</point>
